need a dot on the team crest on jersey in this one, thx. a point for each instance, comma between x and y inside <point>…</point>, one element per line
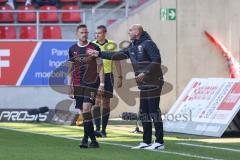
<point>140,49</point>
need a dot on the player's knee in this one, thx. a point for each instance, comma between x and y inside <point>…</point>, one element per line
<point>98,102</point>
<point>106,102</point>
<point>86,107</point>
<point>87,116</point>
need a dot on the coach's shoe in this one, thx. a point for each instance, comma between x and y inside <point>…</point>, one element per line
<point>94,144</point>
<point>103,134</point>
<point>98,134</point>
<point>156,146</point>
<point>84,143</point>
<point>142,145</point>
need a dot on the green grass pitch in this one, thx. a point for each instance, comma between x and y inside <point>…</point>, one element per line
<point>39,141</point>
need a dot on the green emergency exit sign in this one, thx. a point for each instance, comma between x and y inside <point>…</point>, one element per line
<point>168,14</point>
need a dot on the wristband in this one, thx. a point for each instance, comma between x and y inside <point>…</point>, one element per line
<point>101,85</point>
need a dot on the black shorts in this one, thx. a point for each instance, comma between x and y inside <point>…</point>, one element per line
<point>108,85</point>
<point>85,93</point>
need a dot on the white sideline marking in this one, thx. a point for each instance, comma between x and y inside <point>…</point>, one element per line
<point>212,147</point>
<point>116,144</point>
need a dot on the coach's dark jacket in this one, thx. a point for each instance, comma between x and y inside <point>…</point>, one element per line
<point>145,58</point>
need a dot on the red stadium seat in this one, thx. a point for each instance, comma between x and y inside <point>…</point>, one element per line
<point>3,1</point>
<point>71,17</point>
<point>8,32</point>
<point>28,32</point>
<point>29,17</point>
<point>110,21</point>
<point>52,32</point>
<point>6,17</point>
<point>115,1</point>
<point>94,1</point>
<point>68,1</point>
<point>20,1</point>
<point>48,16</point>
<point>89,1</point>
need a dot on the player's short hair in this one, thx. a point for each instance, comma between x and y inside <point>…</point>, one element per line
<point>81,26</point>
<point>104,28</point>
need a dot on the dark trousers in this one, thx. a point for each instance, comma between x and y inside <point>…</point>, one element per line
<point>150,112</point>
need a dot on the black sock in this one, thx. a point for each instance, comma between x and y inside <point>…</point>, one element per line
<point>105,117</point>
<point>97,117</point>
<point>91,131</point>
<point>88,126</point>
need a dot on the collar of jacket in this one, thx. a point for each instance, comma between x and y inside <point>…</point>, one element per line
<point>145,36</point>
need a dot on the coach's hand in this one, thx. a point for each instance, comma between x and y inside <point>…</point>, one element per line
<point>92,52</point>
<point>139,78</point>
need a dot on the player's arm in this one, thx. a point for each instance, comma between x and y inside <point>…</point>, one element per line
<point>70,68</point>
<point>100,70</point>
<point>119,72</point>
<point>69,77</point>
<point>101,74</point>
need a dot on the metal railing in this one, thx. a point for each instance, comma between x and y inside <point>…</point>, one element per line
<point>128,6</point>
<point>93,19</point>
<point>38,23</point>
<point>96,18</point>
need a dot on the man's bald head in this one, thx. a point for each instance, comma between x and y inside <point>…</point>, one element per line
<point>135,31</point>
<point>138,27</point>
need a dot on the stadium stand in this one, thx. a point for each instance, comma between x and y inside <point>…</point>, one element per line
<point>115,1</point>
<point>52,32</point>
<point>6,17</point>
<point>3,1</point>
<point>20,1</point>
<point>49,16</point>
<point>8,32</point>
<point>68,1</point>
<point>71,17</point>
<point>57,18</point>
<point>26,17</point>
<point>111,21</point>
<point>28,32</point>
<point>89,1</point>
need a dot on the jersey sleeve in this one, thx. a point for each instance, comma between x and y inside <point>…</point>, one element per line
<point>70,55</point>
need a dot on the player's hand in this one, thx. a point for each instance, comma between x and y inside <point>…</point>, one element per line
<point>100,90</point>
<point>88,59</point>
<point>70,91</point>
<point>119,83</point>
<point>92,52</point>
<point>139,78</point>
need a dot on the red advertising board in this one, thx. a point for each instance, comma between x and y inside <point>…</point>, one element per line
<point>13,59</point>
